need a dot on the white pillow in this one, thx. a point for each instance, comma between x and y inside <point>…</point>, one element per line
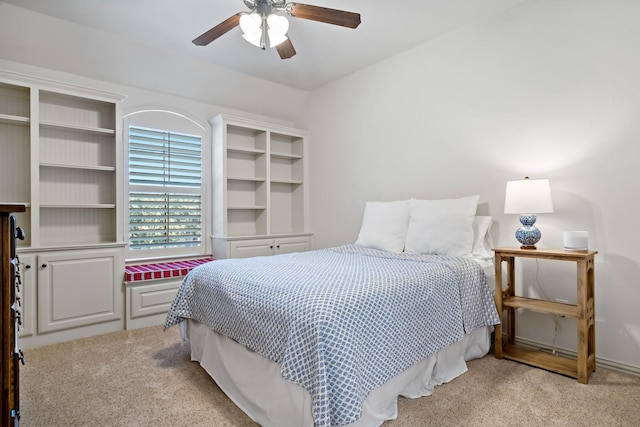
<point>482,239</point>
<point>441,227</point>
<point>384,225</point>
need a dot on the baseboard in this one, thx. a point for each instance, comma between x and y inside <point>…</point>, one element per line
<point>600,362</point>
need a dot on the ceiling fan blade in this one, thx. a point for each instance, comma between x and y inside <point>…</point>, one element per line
<point>218,30</point>
<point>324,14</point>
<point>286,49</point>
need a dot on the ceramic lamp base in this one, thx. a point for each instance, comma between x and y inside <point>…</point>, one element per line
<point>528,235</point>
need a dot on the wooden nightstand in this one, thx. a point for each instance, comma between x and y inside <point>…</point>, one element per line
<point>582,311</point>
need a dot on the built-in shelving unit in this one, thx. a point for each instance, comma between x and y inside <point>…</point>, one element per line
<point>259,184</point>
<point>77,169</point>
<point>65,157</point>
<point>61,157</point>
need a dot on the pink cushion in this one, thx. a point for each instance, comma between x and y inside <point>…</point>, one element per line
<point>161,270</point>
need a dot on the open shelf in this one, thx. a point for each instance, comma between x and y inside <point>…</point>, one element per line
<point>15,103</point>
<point>60,147</point>
<point>86,167</point>
<point>286,144</point>
<point>541,359</point>
<point>245,150</point>
<point>76,113</point>
<point>72,186</point>
<point>77,128</point>
<point>541,306</point>
<point>247,221</point>
<point>246,138</point>
<point>286,181</point>
<point>285,155</point>
<point>8,119</point>
<point>246,178</point>
<point>286,170</point>
<point>79,206</point>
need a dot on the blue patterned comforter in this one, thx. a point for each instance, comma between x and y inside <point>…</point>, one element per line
<point>340,321</point>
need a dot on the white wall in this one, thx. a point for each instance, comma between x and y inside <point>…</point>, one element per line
<point>548,89</point>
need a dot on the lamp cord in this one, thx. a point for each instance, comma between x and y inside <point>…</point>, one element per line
<point>555,317</point>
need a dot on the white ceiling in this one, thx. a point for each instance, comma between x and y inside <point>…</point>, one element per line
<point>324,52</point>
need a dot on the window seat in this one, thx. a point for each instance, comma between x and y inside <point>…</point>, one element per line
<point>161,270</point>
<point>151,288</point>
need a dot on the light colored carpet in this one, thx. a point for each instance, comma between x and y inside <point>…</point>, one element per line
<point>145,378</point>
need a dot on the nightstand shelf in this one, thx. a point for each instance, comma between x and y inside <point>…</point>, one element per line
<point>541,306</point>
<point>583,311</point>
<point>541,359</point>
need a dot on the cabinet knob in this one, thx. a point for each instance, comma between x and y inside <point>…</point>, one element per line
<point>44,265</point>
<point>271,247</point>
<point>27,266</point>
<point>278,246</point>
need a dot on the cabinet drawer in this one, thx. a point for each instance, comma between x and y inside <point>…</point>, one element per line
<point>154,298</point>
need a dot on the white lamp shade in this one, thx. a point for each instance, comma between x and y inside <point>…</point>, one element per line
<point>530,196</point>
<point>250,25</point>
<point>278,27</point>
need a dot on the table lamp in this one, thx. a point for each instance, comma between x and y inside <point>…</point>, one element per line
<point>528,197</point>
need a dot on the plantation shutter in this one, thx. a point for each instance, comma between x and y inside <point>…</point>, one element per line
<point>165,184</point>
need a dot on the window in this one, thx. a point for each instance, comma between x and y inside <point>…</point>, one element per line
<point>165,192</point>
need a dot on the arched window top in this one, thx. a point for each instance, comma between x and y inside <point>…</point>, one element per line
<point>159,118</point>
<point>166,199</point>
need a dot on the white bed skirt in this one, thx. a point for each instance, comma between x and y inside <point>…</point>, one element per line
<point>254,383</point>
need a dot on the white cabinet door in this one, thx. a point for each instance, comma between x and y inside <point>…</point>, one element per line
<point>291,244</point>
<point>266,247</point>
<point>250,248</point>
<point>79,288</point>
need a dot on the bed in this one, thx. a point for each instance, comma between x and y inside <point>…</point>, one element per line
<point>333,336</point>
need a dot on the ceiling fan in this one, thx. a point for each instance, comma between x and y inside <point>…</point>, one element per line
<point>265,23</point>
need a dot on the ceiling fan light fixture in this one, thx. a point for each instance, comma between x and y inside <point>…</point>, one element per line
<point>278,27</point>
<point>250,24</point>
